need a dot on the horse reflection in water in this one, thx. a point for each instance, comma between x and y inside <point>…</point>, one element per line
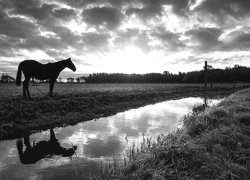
<point>42,149</point>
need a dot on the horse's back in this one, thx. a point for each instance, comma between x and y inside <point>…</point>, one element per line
<point>30,63</point>
<point>35,69</point>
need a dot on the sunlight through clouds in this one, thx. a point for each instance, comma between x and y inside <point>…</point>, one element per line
<point>126,36</point>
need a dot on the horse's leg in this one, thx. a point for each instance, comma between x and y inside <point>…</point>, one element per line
<point>26,87</point>
<point>28,92</point>
<point>52,136</point>
<point>51,86</point>
<point>27,141</point>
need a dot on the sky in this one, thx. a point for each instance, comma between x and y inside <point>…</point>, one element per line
<point>125,36</point>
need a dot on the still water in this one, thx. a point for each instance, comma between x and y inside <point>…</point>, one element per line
<point>77,151</point>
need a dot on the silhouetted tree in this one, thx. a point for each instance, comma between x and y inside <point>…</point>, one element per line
<point>60,79</point>
<point>5,78</point>
<point>70,80</point>
<point>237,73</point>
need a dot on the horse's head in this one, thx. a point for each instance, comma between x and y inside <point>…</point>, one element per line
<point>70,64</point>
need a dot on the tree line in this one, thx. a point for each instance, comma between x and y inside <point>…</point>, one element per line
<point>227,75</point>
<point>5,78</point>
<point>236,73</point>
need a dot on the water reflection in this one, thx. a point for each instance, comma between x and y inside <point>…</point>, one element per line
<point>42,149</point>
<point>96,141</point>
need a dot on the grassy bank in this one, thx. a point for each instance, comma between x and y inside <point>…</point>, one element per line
<point>213,144</point>
<point>75,103</point>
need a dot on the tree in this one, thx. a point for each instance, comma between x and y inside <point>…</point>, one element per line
<point>78,80</point>
<point>60,79</point>
<point>209,67</point>
<point>70,80</point>
<point>5,78</point>
<point>166,73</point>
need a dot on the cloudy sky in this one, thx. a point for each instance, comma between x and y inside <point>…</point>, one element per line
<point>128,36</point>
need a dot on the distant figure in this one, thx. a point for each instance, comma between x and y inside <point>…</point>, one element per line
<point>42,149</point>
<point>34,69</point>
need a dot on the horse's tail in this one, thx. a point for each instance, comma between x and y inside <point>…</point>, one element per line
<point>19,75</point>
<point>19,144</point>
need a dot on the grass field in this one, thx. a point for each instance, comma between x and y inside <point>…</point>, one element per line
<point>80,102</point>
<point>38,90</point>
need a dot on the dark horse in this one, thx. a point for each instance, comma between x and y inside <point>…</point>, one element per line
<point>34,69</point>
<point>42,149</point>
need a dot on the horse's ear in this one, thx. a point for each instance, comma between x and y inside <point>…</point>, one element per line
<point>69,58</point>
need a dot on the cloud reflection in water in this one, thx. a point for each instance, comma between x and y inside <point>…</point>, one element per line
<point>96,140</point>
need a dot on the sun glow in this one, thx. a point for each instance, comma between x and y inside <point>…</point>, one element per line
<point>133,60</point>
<point>129,60</point>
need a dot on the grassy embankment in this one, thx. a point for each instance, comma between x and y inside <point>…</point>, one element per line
<point>212,144</point>
<point>75,103</point>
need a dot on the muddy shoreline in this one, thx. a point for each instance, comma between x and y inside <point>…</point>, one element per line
<point>20,116</point>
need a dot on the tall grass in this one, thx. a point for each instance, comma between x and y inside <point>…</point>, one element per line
<point>213,143</point>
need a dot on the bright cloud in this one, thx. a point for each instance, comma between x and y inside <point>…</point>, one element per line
<point>125,36</point>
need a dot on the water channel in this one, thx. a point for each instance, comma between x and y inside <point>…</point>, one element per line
<point>77,151</point>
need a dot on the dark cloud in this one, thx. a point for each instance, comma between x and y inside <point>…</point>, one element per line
<point>7,42</point>
<point>7,47</point>
<point>66,35</point>
<point>64,13</point>
<point>242,41</point>
<point>150,9</point>
<point>57,53</point>
<point>207,38</point>
<point>19,32</point>
<point>16,27</point>
<point>119,3</point>
<point>42,43</point>
<point>179,7</point>
<point>79,3</point>
<point>103,16</point>
<point>32,9</point>
<point>40,11</point>
<point>169,40</point>
<point>237,40</point>
<point>95,42</point>
<point>221,9</point>
<point>24,37</point>
<point>96,3</point>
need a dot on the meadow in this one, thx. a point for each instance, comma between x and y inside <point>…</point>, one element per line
<point>74,103</point>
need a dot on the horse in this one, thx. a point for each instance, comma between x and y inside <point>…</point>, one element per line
<point>43,149</point>
<point>34,69</point>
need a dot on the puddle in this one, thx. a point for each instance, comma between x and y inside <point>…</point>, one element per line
<point>75,152</point>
